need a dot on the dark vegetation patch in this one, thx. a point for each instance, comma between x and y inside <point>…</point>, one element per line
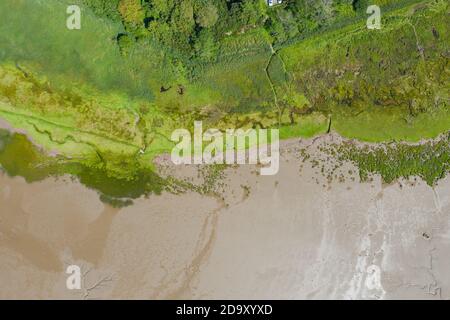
<point>429,161</point>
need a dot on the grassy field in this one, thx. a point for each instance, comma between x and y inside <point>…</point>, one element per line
<point>111,112</point>
<point>390,84</point>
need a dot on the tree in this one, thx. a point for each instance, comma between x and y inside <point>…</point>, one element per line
<point>104,8</point>
<point>207,15</point>
<point>253,12</point>
<point>131,12</point>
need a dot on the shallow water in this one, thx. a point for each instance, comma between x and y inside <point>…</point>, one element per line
<point>20,157</point>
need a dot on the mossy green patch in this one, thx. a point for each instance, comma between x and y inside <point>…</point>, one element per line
<point>429,161</point>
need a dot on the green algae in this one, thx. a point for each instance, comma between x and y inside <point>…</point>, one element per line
<point>20,157</point>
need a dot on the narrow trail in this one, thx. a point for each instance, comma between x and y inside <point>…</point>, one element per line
<point>274,53</point>
<point>272,86</point>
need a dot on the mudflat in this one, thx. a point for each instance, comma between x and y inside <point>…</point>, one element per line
<point>295,235</point>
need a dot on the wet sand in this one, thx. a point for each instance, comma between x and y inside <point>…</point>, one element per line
<point>290,236</point>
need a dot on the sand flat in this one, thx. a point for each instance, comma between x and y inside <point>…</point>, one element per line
<point>290,236</point>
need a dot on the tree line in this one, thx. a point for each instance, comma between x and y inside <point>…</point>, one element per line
<point>194,28</point>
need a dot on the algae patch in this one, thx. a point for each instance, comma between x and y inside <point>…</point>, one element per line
<point>19,157</point>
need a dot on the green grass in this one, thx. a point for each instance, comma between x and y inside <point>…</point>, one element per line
<point>375,83</point>
<point>34,33</point>
<point>307,127</point>
<point>390,125</point>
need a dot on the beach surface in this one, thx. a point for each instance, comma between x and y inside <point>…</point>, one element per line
<point>295,235</point>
